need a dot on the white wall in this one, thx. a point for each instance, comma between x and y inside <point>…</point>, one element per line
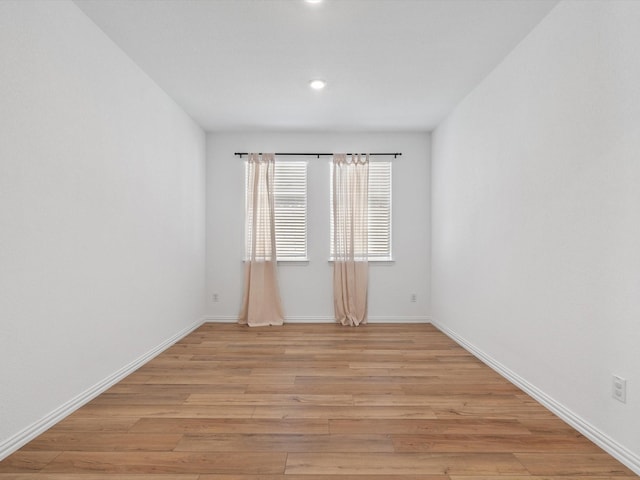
<point>101,212</point>
<point>306,289</point>
<point>536,214</point>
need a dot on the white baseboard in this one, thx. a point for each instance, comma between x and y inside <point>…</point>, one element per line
<point>598,437</point>
<point>327,319</point>
<point>24,436</point>
<point>221,318</point>
<point>399,319</point>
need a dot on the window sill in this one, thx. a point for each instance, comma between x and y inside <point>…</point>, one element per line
<point>294,263</point>
<point>386,261</point>
<point>300,261</point>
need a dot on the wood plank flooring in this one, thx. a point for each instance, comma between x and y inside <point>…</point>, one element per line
<point>313,402</point>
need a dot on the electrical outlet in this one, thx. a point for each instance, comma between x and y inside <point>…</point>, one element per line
<point>619,389</point>
<point>214,297</point>
<point>414,298</point>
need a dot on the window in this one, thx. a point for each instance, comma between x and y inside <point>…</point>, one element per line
<point>290,199</point>
<point>379,215</point>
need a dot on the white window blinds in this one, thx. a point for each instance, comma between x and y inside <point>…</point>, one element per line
<point>379,215</point>
<point>290,210</point>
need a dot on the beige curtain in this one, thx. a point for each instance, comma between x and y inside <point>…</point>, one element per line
<point>350,238</point>
<point>261,302</point>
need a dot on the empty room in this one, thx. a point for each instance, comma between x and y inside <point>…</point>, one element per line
<point>319,239</point>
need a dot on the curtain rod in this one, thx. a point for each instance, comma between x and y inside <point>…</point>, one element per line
<point>318,155</point>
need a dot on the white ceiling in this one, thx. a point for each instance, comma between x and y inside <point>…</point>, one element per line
<point>245,64</point>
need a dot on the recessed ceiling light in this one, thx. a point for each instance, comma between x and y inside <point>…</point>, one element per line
<point>317,84</point>
<point>313,1</point>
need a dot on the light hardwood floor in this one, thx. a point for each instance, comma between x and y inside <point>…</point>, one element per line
<point>313,402</point>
